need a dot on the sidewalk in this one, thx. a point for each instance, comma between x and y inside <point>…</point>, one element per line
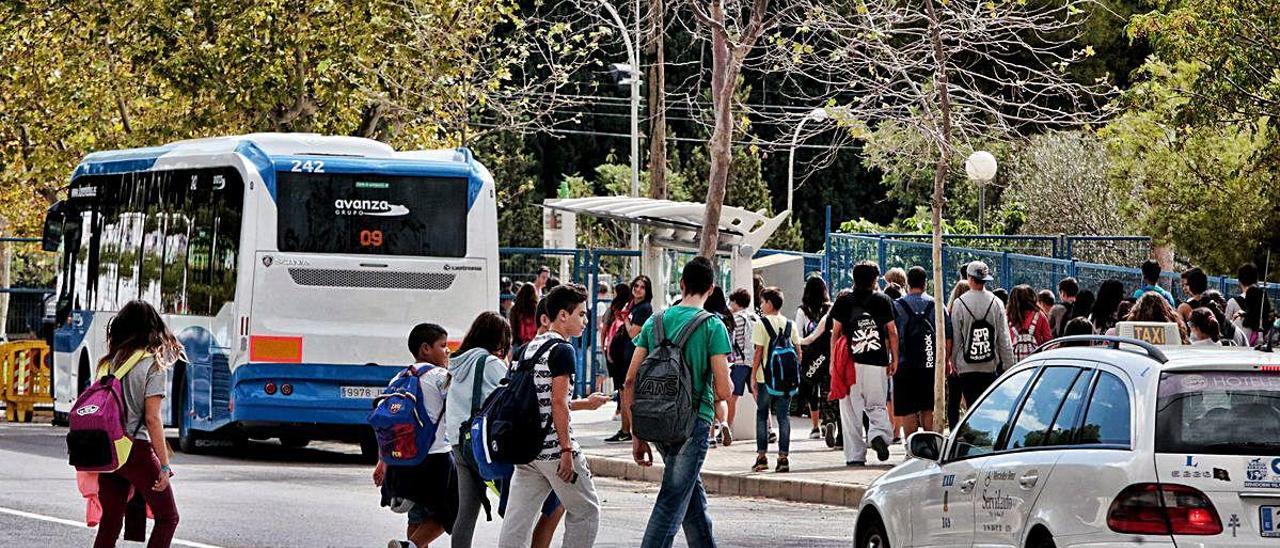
<point>818,474</point>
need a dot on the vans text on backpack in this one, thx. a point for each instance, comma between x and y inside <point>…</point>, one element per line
<point>509,430</point>
<point>403,429</point>
<point>97,441</point>
<point>980,345</point>
<point>781,364</point>
<point>663,409</point>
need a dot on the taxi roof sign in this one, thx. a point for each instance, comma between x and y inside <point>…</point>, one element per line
<point>1157,333</point>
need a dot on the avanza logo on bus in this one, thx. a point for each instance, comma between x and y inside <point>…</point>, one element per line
<point>369,208</point>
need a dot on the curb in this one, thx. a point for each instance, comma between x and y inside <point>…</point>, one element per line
<point>720,483</point>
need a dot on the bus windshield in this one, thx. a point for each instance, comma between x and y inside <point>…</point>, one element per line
<point>372,214</point>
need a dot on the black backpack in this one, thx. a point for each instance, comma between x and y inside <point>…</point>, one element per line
<point>513,425</point>
<point>980,345</point>
<point>917,341</point>
<point>866,341</point>
<point>664,409</point>
<point>781,364</point>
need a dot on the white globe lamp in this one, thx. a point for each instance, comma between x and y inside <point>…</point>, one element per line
<point>981,168</point>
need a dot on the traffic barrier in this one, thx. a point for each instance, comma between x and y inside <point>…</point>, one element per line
<point>24,379</point>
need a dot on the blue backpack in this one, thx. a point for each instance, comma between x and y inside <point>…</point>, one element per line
<point>509,429</point>
<point>400,423</point>
<point>782,368</point>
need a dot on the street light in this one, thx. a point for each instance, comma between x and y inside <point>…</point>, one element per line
<point>633,68</point>
<point>815,115</point>
<point>981,168</point>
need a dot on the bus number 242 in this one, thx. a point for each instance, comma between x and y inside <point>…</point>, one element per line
<point>371,238</point>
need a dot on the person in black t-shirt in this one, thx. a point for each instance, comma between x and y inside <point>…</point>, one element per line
<point>865,317</point>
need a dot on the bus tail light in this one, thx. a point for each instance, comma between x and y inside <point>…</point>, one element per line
<point>270,388</point>
<point>286,389</point>
<point>275,349</point>
<point>1163,509</point>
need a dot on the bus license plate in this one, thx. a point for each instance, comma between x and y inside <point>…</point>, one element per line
<point>1269,521</point>
<point>360,392</point>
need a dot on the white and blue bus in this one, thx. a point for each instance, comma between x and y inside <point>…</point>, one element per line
<point>290,266</point>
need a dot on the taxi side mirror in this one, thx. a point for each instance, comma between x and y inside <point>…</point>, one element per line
<point>925,446</point>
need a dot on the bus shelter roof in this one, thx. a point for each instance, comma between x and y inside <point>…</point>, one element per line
<point>675,222</point>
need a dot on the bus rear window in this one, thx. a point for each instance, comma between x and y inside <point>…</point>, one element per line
<point>1219,413</point>
<point>372,214</point>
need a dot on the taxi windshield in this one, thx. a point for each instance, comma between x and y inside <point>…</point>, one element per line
<point>1219,412</point>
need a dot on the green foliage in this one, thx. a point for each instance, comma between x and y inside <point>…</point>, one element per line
<point>1232,41</point>
<point>921,222</point>
<point>1205,186</point>
<point>1058,185</point>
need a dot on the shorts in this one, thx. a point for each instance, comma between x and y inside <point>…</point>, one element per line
<point>739,374</point>
<point>912,391</point>
<point>441,504</point>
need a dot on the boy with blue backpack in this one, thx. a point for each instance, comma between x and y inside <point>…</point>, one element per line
<point>415,469</point>
<point>776,374</point>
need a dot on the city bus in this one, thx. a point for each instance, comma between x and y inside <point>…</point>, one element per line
<point>291,267</point>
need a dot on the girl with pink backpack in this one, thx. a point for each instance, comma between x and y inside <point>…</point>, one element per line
<point>116,419</point>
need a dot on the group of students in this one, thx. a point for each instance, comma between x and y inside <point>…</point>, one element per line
<point>445,492</point>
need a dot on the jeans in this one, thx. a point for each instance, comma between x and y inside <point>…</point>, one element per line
<point>140,473</point>
<point>471,497</point>
<point>682,499</point>
<point>781,406</point>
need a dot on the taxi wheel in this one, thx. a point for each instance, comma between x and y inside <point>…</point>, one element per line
<point>873,536</point>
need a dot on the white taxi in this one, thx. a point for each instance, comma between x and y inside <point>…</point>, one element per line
<point>1126,444</point>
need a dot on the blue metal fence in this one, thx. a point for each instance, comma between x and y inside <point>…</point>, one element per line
<point>1009,269</point>
<point>588,267</point>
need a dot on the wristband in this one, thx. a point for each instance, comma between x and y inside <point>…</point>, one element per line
<point>566,450</point>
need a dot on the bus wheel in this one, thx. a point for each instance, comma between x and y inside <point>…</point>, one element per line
<point>188,438</point>
<point>294,442</point>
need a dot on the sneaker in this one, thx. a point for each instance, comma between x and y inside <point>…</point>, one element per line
<point>762,464</point>
<point>399,544</point>
<point>783,465</point>
<point>726,435</point>
<point>829,432</point>
<point>620,437</point>
<point>855,463</point>
<point>815,434</point>
<point>773,437</point>
<point>882,449</point>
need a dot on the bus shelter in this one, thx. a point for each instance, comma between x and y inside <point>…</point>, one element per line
<point>677,227</point>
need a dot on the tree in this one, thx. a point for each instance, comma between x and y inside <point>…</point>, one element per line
<point>953,71</point>
<point>1233,41</point>
<point>1058,182</point>
<point>734,28</point>
<point>1194,185</point>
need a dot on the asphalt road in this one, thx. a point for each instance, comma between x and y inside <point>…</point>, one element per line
<point>268,495</point>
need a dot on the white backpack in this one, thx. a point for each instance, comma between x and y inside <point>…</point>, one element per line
<point>1024,343</point>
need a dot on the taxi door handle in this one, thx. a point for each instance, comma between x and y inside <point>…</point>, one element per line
<point>1029,480</point>
<point>967,484</point>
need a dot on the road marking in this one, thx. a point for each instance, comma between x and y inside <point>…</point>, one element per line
<point>74,523</point>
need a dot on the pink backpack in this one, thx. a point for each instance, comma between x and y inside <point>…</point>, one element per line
<point>97,441</point>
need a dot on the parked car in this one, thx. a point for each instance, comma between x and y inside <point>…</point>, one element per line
<point>1123,444</point>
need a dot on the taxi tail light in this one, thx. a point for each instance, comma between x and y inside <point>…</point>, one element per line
<point>1163,509</point>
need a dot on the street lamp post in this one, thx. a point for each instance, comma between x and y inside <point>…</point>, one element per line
<point>634,80</point>
<point>815,115</point>
<point>981,168</point>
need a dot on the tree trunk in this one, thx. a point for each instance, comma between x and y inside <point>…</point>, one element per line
<point>939,200</point>
<point>5,250</point>
<point>720,148</point>
<point>658,106</point>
